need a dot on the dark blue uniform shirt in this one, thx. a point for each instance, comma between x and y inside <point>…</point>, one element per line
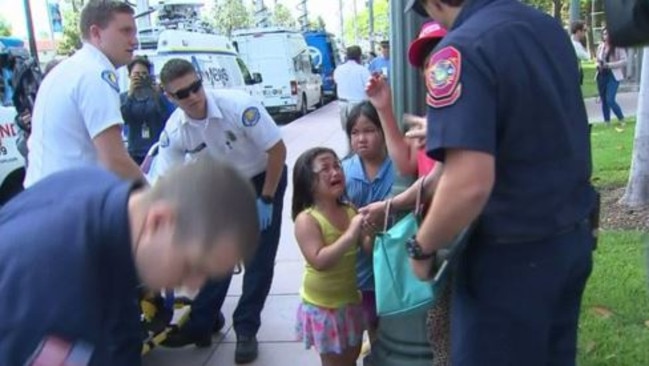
<point>145,116</point>
<point>505,82</point>
<point>67,270</point>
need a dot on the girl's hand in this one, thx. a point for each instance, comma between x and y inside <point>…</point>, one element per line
<point>417,131</point>
<point>356,226</point>
<point>378,91</point>
<point>374,214</point>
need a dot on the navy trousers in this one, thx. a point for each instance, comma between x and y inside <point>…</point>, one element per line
<point>518,304</point>
<point>257,278</point>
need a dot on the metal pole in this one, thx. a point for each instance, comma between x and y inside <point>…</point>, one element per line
<point>30,31</point>
<point>305,16</point>
<point>575,10</point>
<point>370,7</point>
<point>261,17</point>
<point>143,22</point>
<point>402,340</point>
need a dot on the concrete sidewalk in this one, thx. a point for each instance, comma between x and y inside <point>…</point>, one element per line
<point>277,346</point>
<point>627,101</point>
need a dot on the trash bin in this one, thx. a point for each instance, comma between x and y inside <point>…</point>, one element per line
<point>401,341</point>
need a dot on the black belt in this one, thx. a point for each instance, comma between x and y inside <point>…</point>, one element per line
<point>522,239</point>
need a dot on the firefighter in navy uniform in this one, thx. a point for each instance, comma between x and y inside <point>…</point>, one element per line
<point>507,119</point>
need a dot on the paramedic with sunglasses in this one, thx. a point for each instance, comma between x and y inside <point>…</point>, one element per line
<point>230,125</point>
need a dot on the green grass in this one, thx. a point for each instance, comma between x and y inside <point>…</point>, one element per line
<point>612,148</point>
<point>589,87</point>
<point>614,327</point>
<point>615,306</point>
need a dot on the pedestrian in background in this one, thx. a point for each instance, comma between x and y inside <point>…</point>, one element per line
<point>611,61</point>
<point>350,78</point>
<point>144,108</point>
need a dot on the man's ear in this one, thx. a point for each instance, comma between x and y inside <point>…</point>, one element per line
<point>94,32</point>
<point>160,216</point>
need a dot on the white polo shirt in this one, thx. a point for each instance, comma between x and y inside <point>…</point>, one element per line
<point>237,129</point>
<point>351,79</point>
<point>77,101</point>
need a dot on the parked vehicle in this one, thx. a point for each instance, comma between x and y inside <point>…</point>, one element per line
<point>291,82</point>
<point>12,163</point>
<point>325,57</point>
<point>213,56</point>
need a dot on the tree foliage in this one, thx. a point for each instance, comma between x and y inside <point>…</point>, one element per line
<point>71,38</point>
<point>5,27</point>
<point>381,22</point>
<point>230,15</point>
<point>282,17</point>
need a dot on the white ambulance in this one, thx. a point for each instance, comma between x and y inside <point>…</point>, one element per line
<point>12,163</point>
<point>291,82</point>
<point>212,55</point>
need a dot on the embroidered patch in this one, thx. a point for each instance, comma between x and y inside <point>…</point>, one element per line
<point>251,116</point>
<point>164,139</point>
<point>443,77</point>
<point>111,79</point>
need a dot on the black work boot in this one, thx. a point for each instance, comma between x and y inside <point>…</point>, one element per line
<point>180,337</point>
<point>247,349</point>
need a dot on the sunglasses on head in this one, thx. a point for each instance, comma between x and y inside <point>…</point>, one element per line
<point>193,88</point>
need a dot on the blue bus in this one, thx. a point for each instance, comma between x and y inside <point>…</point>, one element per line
<point>325,56</point>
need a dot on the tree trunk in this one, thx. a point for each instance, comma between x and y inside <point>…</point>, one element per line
<point>557,4</point>
<point>637,189</point>
<point>590,39</point>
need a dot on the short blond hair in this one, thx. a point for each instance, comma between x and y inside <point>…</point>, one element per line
<point>212,200</point>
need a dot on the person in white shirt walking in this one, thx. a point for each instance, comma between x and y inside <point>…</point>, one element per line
<point>350,79</point>
<point>77,120</point>
<point>578,34</point>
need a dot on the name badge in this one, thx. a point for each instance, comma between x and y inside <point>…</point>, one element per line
<point>146,132</point>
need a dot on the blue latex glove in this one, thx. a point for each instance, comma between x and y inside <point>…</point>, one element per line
<point>265,213</point>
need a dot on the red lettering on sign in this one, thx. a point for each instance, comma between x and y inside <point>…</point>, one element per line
<point>7,130</point>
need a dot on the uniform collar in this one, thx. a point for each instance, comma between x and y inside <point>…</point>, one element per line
<point>358,171</point>
<point>213,110</point>
<point>469,8</point>
<point>95,53</point>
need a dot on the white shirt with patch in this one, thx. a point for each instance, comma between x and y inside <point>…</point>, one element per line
<point>237,129</point>
<point>77,101</point>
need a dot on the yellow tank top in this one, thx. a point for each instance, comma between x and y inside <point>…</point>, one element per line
<point>335,287</point>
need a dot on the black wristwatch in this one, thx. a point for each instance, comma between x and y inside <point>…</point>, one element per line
<point>416,252</point>
<point>266,199</point>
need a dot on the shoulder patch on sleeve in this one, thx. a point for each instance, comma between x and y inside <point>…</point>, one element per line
<point>443,77</point>
<point>110,78</point>
<point>164,139</point>
<point>251,116</point>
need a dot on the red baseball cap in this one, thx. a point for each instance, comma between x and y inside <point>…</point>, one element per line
<point>431,32</point>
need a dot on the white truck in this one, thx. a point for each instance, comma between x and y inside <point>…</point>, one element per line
<point>291,84</point>
<point>212,55</point>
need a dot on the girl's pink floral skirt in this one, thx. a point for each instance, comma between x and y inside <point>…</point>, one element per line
<point>330,330</point>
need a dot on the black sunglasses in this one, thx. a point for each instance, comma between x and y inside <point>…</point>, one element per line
<point>193,88</point>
